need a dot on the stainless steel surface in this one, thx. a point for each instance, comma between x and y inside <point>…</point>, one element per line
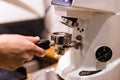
<point>70,22</point>
<point>60,51</point>
<point>61,38</point>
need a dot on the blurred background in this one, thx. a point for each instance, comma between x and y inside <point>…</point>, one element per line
<point>31,18</point>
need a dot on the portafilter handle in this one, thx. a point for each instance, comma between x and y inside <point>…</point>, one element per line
<point>43,43</point>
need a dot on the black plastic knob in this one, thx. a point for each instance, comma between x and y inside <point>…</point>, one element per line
<point>103,54</point>
<point>43,43</point>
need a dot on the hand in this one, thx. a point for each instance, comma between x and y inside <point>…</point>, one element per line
<point>16,49</point>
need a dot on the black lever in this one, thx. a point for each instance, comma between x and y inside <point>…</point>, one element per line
<point>43,43</point>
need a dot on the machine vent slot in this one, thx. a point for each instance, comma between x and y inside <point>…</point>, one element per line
<point>86,73</point>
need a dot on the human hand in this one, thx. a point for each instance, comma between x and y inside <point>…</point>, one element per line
<point>16,49</point>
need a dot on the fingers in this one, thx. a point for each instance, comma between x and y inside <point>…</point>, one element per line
<point>35,49</point>
<point>33,39</point>
<point>39,51</point>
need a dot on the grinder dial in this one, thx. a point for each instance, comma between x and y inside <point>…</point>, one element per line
<point>103,54</point>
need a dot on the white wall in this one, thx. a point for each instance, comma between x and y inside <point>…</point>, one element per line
<point>10,12</point>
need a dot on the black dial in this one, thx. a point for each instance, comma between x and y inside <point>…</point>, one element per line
<point>103,54</point>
